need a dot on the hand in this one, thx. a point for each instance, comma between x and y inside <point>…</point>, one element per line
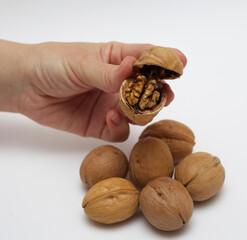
<point>74,86</point>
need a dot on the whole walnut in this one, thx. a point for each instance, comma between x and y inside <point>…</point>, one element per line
<point>101,163</point>
<point>166,204</point>
<point>149,159</point>
<point>111,200</point>
<point>178,137</point>
<point>202,174</point>
<point>143,95</point>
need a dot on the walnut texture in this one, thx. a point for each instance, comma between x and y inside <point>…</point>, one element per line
<point>143,93</point>
<point>134,90</point>
<point>159,61</point>
<point>166,204</point>
<point>101,163</point>
<point>176,135</point>
<point>150,158</point>
<point>202,174</point>
<point>111,200</point>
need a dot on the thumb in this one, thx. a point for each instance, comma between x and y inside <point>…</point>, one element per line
<point>108,77</point>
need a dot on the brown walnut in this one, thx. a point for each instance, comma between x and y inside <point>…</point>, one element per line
<point>143,96</point>
<point>178,137</point>
<point>149,159</point>
<point>112,200</point>
<point>202,174</point>
<point>101,163</point>
<point>166,204</point>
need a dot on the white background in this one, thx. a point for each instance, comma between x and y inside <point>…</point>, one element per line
<point>40,188</point>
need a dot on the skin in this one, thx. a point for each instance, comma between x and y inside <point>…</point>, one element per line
<point>70,86</point>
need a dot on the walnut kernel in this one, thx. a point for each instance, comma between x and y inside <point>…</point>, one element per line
<point>142,93</point>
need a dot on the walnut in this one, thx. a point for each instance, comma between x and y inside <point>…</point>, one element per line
<point>101,163</point>
<point>111,201</point>
<point>176,135</point>
<point>143,96</point>
<point>202,174</point>
<point>150,158</point>
<point>166,204</point>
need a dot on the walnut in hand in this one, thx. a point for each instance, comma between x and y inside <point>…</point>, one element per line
<point>143,96</point>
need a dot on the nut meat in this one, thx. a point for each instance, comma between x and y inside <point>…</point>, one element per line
<point>112,200</point>
<point>166,204</point>
<point>143,92</point>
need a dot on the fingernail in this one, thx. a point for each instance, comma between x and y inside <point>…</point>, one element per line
<point>116,119</point>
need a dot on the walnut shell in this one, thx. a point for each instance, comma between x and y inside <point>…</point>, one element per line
<point>138,115</point>
<point>112,200</point>
<point>101,163</point>
<point>155,63</point>
<point>202,174</point>
<point>178,137</point>
<point>162,57</point>
<point>166,204</point>
<point>149,159</point>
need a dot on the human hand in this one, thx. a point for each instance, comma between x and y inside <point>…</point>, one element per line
<point>74,86</point>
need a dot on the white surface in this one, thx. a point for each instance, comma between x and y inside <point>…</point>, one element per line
<point>40,188</point>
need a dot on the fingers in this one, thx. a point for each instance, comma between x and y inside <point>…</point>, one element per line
<point>118,51</point>
<point>117,129</point>
<point>108,77</point>
<point>181,56</point>
<point>121,50</point>
<point>126,68</point>
<point>169,94</point>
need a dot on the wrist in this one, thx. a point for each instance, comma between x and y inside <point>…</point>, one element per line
<point>12,80</point>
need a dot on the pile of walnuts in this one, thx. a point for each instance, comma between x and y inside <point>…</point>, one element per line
<point>166,202</point>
